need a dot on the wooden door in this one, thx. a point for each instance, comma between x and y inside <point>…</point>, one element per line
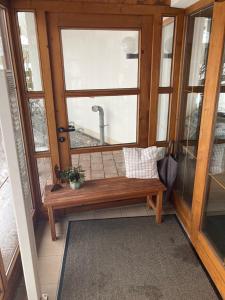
<point>89,79</point>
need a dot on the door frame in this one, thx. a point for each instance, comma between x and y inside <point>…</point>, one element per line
<point>56,22</point>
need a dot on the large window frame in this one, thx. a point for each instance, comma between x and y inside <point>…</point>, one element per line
<point>188,147</point>
<point>97,92</point>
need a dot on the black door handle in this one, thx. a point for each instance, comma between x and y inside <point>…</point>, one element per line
<point>69,129</point>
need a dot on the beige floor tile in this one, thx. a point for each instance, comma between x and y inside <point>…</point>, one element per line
<point>50,290</point>
<point>49,269</point>
<point>108,213</point>
<point>47,247</point>
<point>97,167</point>
<point>81,216</point>
<point>136,210</point>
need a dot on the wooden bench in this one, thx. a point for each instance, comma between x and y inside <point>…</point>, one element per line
<point>101,191</point>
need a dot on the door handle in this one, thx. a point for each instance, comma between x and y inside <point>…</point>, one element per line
<point>69,129</point>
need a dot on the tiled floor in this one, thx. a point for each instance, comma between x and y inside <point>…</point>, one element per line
<point>99,165</point>
<point>50,253</point>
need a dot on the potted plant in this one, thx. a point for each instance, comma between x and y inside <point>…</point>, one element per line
<point>75,176</point>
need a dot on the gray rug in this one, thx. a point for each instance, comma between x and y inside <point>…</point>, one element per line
<point>131,259</point>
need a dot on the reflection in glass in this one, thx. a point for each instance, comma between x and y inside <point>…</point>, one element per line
<point>192,120</point>
<point>166,51</point>
<point>214,215</point>
<point>102,120</point>
<point>195,63</point>
<point>163,115</point>
<point>28,38</point>
<point>213,222</point>
<point>45,172</point>
<point>186,175</point>
<point>90,54</point>
<point>39,124</point>
<point>198,37</point>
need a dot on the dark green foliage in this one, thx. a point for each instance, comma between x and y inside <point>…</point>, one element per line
<point>73,175</point>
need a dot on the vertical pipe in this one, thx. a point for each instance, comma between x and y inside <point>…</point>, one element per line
<point>96,108</point>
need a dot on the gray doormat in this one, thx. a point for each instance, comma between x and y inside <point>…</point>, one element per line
<point>131,259</point>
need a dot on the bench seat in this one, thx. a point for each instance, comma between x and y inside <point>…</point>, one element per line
<point>102,191</point>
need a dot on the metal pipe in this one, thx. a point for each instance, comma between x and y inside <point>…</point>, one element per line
<point>99,109</point>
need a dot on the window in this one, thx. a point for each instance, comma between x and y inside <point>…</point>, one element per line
<point>90,54</point>
<point>101,71</point>
<point>39,124</point>
<point>195,64</point>
<point>28,38</point>
<point>166,62</point>
<point>102,120</point>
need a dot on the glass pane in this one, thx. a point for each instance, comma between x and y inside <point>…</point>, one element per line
<point>28,38</point>
<point>181,159</point>
<point>45,172</point>
<point>213,223</point>
<point>90,54</point>
<point>163,114</point>
<point>189,178</point>
<point>192,121</point>
<point>166,51</point>
<point>8,232</point>
<point>102,120</point>
<point>39,124</point>
<point>198,41</point>
<point>186,175</point>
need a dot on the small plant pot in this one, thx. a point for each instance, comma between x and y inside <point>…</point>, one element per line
<point>75,185</point>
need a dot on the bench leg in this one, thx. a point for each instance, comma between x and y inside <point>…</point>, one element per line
<point>159,201</point>
<point>52,222</point>
<point>149,202</point>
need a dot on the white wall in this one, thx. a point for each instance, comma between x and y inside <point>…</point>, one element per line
<point>120,117</point>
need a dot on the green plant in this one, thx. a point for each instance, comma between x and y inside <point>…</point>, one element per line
<point>75,174</point>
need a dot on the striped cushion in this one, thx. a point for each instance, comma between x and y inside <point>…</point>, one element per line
<point>140,162</point>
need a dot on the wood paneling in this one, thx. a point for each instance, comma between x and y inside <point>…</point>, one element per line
<point>94,8</point>
<point>155,71</point>
<point>198,6</point>
<point>212,262</point>
<point>4,3</point>
<point>109,92</point>
<point>47,82</point>
<point>176,77</point>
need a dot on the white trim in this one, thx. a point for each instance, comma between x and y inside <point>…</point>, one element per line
<point>21,204</point>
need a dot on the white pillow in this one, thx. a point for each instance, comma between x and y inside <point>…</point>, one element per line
<point>141,162</point>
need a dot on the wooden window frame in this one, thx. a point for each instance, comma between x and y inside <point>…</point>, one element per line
<point>173,89</point>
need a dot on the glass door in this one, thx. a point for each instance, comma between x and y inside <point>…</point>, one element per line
<point>193,86</point>
<point>101,82</point>
<point>213,223</point>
